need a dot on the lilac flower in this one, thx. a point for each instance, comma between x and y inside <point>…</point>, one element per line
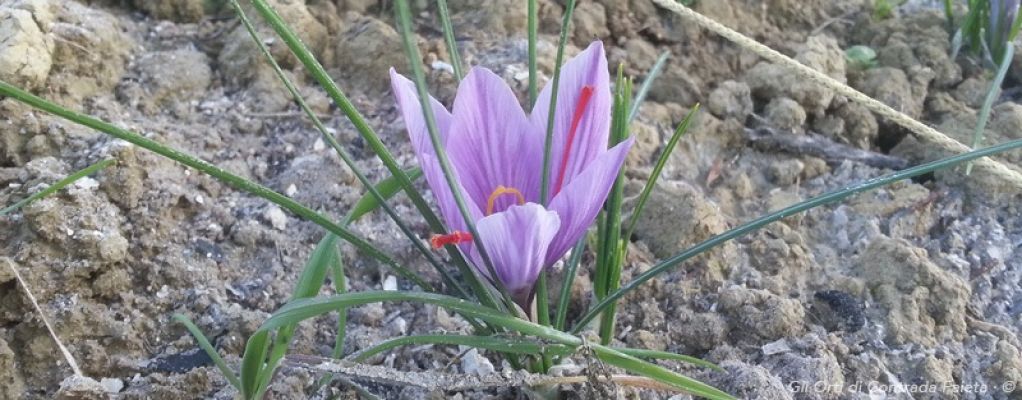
<point>496,151</point>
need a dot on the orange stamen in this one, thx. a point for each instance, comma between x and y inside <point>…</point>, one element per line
<point>580,108</point>
<point>456,237</point>
<point>500,191</point>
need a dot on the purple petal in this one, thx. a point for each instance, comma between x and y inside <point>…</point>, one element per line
<point>517,240</point>
<point>488,140</point>
<point>444,197</point>
<point>580,201</point>
<point>411,110</point>
<point>589,68</point>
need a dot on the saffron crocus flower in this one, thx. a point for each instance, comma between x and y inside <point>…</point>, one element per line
<point>496,152</point>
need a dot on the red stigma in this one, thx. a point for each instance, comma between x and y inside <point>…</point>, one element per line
<point>580,108</point>
<point>456,237</point>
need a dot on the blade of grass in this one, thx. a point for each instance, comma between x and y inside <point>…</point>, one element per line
<point>211,170</point>
<point>404,20</point>
<point>570,271</point>
<point>760,222</point>
<point>548,143</point>
<point>615,250</point>
<point>501,344</point>
<point>651,76</point>
<point>56,186</point>
<point>387,187</point>
<point>658,168</point>
<point>452,45</point>
<point>542,302</point>
<point>347,158</point>
<point>252,363</point>
<point>988,103</point>
<point>533,71</point>
<point>206,346</point>
<point>318,73</point>
<point>637,366</point>
<point>665,355</point>
<point>303,309</point>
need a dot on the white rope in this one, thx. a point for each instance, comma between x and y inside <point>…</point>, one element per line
<point>922,131</point>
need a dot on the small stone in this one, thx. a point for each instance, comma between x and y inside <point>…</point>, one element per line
<point>786,114</point>
<point>26,52</point>
<point>112,385</point>
<point>291,190</point>
<point>276,217</point>
<point>390,283</point>
<point>77,387</point>
<point>731,100</point>
<point>474,363</point>
<point>785,172</point>
<point>113,247</point>
<point>776,347</point>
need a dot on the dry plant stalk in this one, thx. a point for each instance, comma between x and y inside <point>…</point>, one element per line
<point>53,334</point>
<point>1011,176</point>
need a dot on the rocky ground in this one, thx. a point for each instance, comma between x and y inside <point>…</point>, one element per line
<point>919,283</point>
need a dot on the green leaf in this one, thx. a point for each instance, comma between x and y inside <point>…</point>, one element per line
<point>300,310</point>
<point>658,168</point>
<point>56,186</point>
<point>210,350</point>
<point>651,76</point>
<point>501,344</point>
<point>252,363</point>
<point>211,170</point>
<point>570,271</point>
<point>387,188</point>
<point>637,366</point>
<point>830,197</point>
<point>666,355</point>
<point>452,45</point>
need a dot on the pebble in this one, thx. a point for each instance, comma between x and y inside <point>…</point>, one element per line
<point>474,363</point>
<point>276,217</point>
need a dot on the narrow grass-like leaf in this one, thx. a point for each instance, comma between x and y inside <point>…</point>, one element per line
<point>206,346</point>
<point>637,366</point>
<point>988,103</point>
<point>548,143</point>
<point>340,287</point>
<point>346,157</point>
<point>56,186</point>
<point>614,250</point>
<point>252,363</point>
<point>658,168</point>
<point>533,71</point>
<point>502,344</point>
<point>404,20</point>
<point>452,45</point>
<point>341,100</point>
<point>570,271</point>
<point>949,14</point>
<point>387,187</point>
<point>651,76</point>
<point>303,309</point>
<point>760,222</point>
<point>666,355</point>
<point>211,170</point>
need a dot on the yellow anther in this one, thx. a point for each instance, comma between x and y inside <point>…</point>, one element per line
<point>500,191</point>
